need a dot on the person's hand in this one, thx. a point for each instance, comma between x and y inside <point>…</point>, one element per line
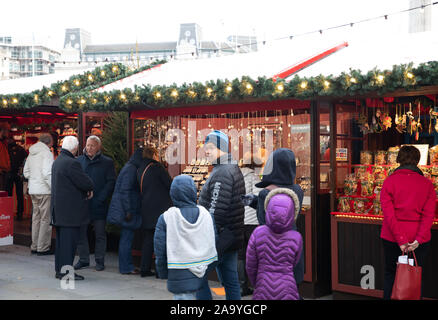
<point>128,217</point>
<point>403,247</point>
<point>412,246</point>
<point>89,195</point>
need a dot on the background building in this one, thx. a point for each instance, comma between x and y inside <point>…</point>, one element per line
<point>25,60</point>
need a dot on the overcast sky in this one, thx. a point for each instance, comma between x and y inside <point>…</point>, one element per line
<point>127,21</point>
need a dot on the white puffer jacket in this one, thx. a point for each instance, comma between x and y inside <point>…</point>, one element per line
<point>38,168</point>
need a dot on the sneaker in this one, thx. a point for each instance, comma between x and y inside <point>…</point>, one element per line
<point>80,265</point>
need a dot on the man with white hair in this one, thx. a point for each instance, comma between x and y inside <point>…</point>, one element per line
<point>101,170</point>
<point>71,189</point>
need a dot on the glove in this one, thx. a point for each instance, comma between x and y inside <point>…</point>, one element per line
<point>247,199</point>
<point>128,217</point>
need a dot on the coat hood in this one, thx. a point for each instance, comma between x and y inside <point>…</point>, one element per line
<point>280,169</point>
<point>183,191</point>
<point>136,158</point>
<point>37,148</point>
<point>282,207</point>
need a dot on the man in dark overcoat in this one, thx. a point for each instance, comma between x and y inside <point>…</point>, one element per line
<point>71,189</point>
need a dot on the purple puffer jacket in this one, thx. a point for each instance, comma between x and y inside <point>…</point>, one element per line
<point>274,249</point>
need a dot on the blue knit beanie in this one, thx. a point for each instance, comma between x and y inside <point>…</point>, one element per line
<point>219,139</point>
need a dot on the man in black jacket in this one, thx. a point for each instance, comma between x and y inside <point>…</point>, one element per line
<point>221,195</point>
<point>71,188</point>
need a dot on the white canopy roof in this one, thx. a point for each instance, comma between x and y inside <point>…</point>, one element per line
<point>366,54</point>
<point>266,62</point>
<point>25,85</point>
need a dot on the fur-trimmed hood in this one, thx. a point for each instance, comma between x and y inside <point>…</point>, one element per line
<point>282,206</point>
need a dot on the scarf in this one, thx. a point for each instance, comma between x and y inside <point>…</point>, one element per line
<point>190,246</point>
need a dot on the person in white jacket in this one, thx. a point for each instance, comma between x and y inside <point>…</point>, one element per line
<point>38,171</point>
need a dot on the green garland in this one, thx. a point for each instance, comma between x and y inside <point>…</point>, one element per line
<point>87,81</point>
<point>354,83</point>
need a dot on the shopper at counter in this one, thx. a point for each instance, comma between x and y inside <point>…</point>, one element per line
<point>154,181</point>
<point>221,195</point>
<point>408,202</point>
<point>280,172</point>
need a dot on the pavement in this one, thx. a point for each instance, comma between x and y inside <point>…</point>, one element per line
<point>30,277</point>
<point>24,276</point>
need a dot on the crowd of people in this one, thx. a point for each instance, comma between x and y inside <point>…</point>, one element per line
<point>244,224</point>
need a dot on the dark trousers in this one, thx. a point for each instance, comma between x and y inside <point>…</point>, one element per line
<point>66,243</point>
<point>11,180</point>
<point>241,262</point>
<point>147,250</point>
<point>100,246</point>
<point>392,252</point>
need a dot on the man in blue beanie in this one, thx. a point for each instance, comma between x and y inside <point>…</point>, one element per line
<point>221,195</point>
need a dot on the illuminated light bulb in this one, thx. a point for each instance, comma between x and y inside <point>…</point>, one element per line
<point>410,75</point>
<point>174,93</point>
<point>123,96</point>
<point>102,73</point>
<point>280,87</point>
<point>69,101</point>
<point>82,101</point>
<point>5,102</point>
<point>94,100</point>
<point>115,69</point>
<point>326,84</point>
<point>303,85</point>
<point>50,93</point>
<point>209,91</point>
<point>77,82</point>
<point>90,77</point>
<point>158,95</point>
<point>14,100</point>
<point>229,89</point>
<point>64,88</point>
<point>380,78</point>
<point>36,97</point>
<point>353,80</point>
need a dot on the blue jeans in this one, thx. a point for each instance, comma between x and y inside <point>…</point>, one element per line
<point>226,269</point>
<point>185,296</point>
<point>125,248</point>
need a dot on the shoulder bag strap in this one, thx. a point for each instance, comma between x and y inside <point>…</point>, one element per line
<point>141,181</point>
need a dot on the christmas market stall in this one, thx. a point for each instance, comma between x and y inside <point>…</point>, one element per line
<point>258,112</point>
<point>370,117</point>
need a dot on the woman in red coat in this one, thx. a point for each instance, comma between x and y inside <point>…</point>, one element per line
<point>408,202</point>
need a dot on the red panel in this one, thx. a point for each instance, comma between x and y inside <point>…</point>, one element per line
<point>223,108</point>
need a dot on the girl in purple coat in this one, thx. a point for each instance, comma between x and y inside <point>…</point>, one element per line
<point>274,249</point>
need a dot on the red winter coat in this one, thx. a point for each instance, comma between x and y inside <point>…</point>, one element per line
<point>408,202</point>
